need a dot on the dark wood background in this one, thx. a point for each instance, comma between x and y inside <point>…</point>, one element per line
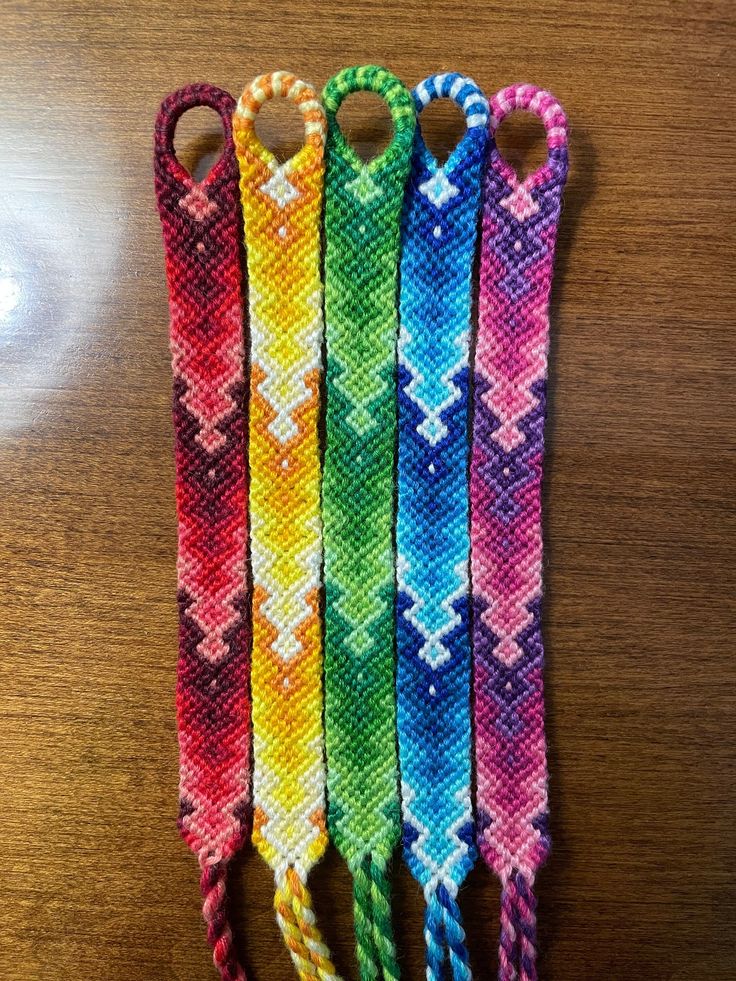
<point>640,512</point>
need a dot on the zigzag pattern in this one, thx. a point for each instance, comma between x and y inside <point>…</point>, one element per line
<point>433,631</point>
<point>201,231</point>
<point>285,394</point>
<point>362,209</point>
<point>439,866</point>
<point>517,248</point>
<point>282,209</point>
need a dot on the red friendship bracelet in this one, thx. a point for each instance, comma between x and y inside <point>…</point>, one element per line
<point>202,234</point>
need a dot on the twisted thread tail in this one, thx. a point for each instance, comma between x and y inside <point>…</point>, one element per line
<point>444,937</point>
<point>526,927</point>
<point>296,918</point>
<point>383,931</point>
<point>518,945</point>
<point>454,936</point>
<point>365,949</point>
<point>434,938</point>
<point>214,909</point>
<point>374,935</point>
<point>507,947</point>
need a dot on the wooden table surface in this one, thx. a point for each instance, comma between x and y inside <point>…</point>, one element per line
<point>639,494</point>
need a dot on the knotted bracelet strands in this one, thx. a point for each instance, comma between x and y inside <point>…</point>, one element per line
<point>439,232</point>
<point>519,231</point>
<point>282,208</point>
<point>201,233</point>
<point>362,211</point>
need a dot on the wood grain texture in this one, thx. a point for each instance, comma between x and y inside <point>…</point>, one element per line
<point>639,499</point>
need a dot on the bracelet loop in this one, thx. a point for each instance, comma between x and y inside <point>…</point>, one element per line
<point>370,78</point>
<point>173,108</point>
<point>542,104</point>
<point>468,96</point>
<point>288,86</point>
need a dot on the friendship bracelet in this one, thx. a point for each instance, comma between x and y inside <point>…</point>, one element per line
<point>201,232</point>
<point>282,208</point>
<point>520,221</point>
<point>362,210</point>
<point>432,630</point>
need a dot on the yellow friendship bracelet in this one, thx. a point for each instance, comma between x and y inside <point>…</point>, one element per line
<point>282,206</point>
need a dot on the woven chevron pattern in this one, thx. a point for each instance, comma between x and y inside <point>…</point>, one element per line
<point>432,540</point>
<point>520,220</point>
<point>201,231</point>
<point>362,217</point>
<point>282,210</point>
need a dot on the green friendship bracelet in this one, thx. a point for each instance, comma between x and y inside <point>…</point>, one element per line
<point>363,205</point>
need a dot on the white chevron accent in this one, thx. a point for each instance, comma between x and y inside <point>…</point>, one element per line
<point>438,189</point>
<point>433,651</point>
<point>278,187</point>
<point>288,828</point>
<point>286,609</point>
<point>286,393</point>
<point>433,429</point>
<point>439,873</point>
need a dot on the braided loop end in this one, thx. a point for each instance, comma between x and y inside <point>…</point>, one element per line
<point>464,92</point>
<point>172,109</point>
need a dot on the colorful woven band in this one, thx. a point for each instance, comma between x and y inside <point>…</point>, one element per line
<point>517,249</point>
<point>432,628</point>
<point>282,207</point>
<point>362,210</point>
<point>201,231</point>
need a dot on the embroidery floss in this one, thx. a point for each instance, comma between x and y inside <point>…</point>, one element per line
<point>520,221</point>
<point>282,208</point>
<point>432,539</point>
<point>362,210</point>
<point>201,232</point>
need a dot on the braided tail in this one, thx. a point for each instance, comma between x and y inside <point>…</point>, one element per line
<point>295,915</point>
<point>214,909</point>
<point>365,949</point>
<point>507,958</point>
<point>383,931</point>
<point>374,935</point>
<point>434,937</point>
<point>454,936</point>
<point>518,945</point>
<point>526,928</point>
<point>444,936</point>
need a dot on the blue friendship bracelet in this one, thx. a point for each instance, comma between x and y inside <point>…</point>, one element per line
<point>439,232</point>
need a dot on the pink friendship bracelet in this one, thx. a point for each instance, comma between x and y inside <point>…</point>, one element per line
<point>519,230</point>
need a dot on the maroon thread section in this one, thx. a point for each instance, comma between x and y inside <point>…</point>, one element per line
<point>202,233</point>
<point>173,108</point>
<point>214,908</point>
